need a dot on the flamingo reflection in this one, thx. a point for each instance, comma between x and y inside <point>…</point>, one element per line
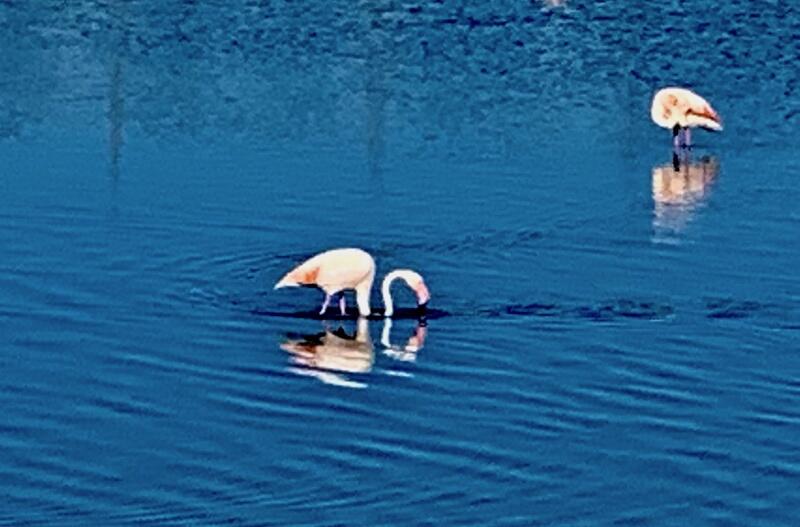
<point>338,358</point>
<point>330,355</point>
<point>408,351</point>
<point>679,188</point>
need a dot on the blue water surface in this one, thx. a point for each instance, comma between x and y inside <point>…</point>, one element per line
<point>620,342</point>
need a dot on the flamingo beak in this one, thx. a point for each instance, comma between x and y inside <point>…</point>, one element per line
<point>423,295</point>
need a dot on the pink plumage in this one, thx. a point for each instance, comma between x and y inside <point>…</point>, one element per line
<point>338,270</point>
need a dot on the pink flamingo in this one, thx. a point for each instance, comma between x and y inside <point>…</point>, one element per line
<point>680,109</point>
<point>337,270</point>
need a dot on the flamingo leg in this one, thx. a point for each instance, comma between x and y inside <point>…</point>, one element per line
<point>342,305</point>
<point>687,137</point>
<point>325,304</point>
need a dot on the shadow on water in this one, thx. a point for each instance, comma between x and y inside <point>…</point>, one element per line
<point>401,313</point>
<point>339,358</point>
<point>604,311</point>
<point>680,189</point>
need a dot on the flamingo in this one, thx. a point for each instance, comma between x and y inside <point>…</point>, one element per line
<point>680,110</point>
<point>337,270</point>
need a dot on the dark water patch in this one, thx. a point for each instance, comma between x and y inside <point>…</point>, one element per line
<point>523,310</point>
<point>537,310</point>
<point>732,309</point>
<point>728,308</point>
<point>601,312</point>
<point>624,308</point>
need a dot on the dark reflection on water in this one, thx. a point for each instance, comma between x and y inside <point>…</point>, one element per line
<point>164,163</point>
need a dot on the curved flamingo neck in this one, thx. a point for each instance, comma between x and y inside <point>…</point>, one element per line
<point>386,290</point>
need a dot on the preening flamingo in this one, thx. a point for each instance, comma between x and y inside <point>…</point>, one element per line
<point>680,109</point>
<point>337,270</point>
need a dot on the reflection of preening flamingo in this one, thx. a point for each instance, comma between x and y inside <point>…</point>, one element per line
<point>337,270</point>
<point>679,188</point>
<point>680,109</point>
<point>683,183</point>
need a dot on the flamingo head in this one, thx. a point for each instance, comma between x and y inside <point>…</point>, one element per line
<point>417,284</point>
<point>413,280</point>
<point>417,340</point>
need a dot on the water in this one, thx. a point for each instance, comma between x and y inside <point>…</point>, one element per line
<point>619,343</point>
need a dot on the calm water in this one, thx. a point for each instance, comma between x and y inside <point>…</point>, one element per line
<point>622,341</point>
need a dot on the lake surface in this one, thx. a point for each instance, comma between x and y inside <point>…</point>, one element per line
<point>620,342</point>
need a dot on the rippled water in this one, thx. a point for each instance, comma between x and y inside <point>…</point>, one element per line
<point>617,334</point>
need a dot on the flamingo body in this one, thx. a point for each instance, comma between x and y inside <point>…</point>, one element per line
<point>684,108</point>
<point>338,270</point>
<point>680,110</point>
<point>332,271</point>
<point>335,271</point>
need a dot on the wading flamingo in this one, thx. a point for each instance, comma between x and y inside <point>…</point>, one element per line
<point>337,270</point>
<point>680,110</point>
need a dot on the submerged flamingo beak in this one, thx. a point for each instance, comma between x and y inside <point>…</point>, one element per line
<point>423,295</point>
